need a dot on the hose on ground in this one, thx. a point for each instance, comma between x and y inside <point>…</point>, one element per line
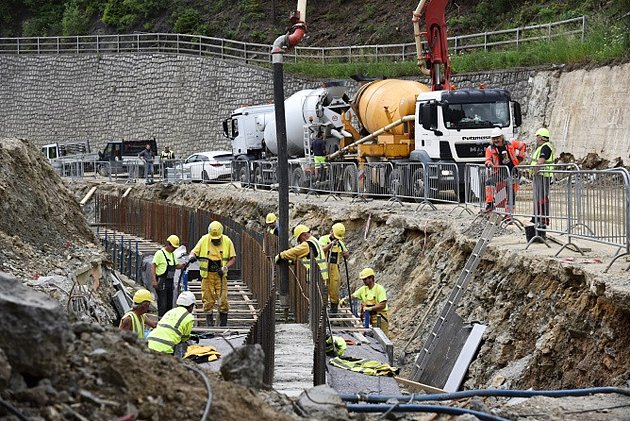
<point>485,392</point>
<point>204,376</point>
<point>437,409</point>
<point>12,409</point>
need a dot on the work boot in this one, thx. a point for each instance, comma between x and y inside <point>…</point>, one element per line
<point>334,308</point>
<point>489,207</point>
<point>209,320</point>
<point>223,319</point>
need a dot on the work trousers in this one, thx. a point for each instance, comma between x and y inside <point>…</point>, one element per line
<point>213,289</point>
<point>164,293</point>
<point>505,193</point>
<point>334,278</point>
<point>384,322</point>
<point>541,199</point>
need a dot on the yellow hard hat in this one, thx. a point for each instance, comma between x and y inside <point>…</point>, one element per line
<point>271,218</point>
<point>141,296</point>
<point>339,230</point>
<point>215,229</point>
<point>542,132</point>
<point>173,240</point>
<point>299,230</point>
<point>366,273</point>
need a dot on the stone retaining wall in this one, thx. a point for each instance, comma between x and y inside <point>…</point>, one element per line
<point>182,100</point>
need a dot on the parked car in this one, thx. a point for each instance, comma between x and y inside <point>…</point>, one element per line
<point>208,166</point>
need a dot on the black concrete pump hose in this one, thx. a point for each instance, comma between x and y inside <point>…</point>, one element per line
<point>375,403</point>
<point>204,376</point>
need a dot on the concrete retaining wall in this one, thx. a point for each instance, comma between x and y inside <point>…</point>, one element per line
<point>182,100</point>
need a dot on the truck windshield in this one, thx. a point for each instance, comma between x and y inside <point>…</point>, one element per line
<point>477,115</point>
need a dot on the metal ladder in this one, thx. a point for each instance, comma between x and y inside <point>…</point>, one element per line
<point>457,293</point>
<point>306,139</point>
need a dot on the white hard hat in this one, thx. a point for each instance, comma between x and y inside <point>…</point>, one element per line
<point>186,298</point>
<point>496,132</point>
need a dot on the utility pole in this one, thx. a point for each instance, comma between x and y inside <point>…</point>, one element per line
<point>280,45</point>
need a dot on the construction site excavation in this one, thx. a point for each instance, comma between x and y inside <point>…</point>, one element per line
<point>186,235</point>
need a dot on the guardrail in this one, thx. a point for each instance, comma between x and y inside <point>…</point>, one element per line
<point>261,53</point>
<point>591,205</point>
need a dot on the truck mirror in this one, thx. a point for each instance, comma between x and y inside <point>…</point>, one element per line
<point>518,119</point>
<point>429,116</point>
<point>226,132</point>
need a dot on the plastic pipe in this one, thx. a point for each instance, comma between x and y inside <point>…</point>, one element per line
<point>438,409</point>
<point>486,392</point>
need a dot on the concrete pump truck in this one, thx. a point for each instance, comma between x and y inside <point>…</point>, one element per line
<point>397,121</point>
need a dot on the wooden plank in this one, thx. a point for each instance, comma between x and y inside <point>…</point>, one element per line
<point>416,385</point>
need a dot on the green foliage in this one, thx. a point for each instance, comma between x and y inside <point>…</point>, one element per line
<point>604,43</point>
<point>123,14</point>
<point>189,21</point>
<point>74,21</point>
<point>46,22</point>
<point>252,10</point>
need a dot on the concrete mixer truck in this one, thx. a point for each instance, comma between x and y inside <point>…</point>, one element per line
<point>252,131</point>
<point>397,121</point>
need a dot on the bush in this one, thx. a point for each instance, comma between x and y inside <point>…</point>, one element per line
<point>74,21</point>
<point>189,21</point>
<point>121,14</point>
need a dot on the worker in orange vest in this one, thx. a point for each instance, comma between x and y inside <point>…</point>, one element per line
<point>502,153</point>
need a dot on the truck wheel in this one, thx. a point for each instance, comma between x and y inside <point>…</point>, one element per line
<point>418,187</point>
<point>243,176</point>
<point>298,180</point>
<point>103,170</point>
<point>395,182</point>
<point>350,179</point>
<point>258,177</point>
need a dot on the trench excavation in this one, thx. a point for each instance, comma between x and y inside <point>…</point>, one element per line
<point>551,323</point>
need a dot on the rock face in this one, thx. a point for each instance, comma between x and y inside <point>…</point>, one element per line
<point>103,97</point>
<point>29,320</point>
<point>322,403</point>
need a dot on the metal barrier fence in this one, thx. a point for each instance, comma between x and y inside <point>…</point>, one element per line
<point>318,319</point>
<point>259,270</point>
<point>131,171</point>
<point>123,252</point>
<point>591,205</point>
<point>415,181</point>
<point>261,53</point>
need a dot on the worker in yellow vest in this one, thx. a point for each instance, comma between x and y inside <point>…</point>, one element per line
<point>542,164</point>
<point>175,327</point>
<point>163,271</point>
<point>216,255</point>
<point>374,299</point>
<point>336,251</point>
<point>307,246</point>
<point>271,221</point>
<point>136,318</point>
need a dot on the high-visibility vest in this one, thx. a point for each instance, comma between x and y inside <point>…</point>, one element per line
<point>137,323</point>
<point>335,253</point>
<point>335,346</point>
<point>547,161</point>
<point>204,262</point>
<point>320,259</point>
<point>367,367</point>
<point>174,328</point>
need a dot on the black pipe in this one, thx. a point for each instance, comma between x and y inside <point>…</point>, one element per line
<point>485,392</point>
<point>283,164</point>
<point>437,409</point>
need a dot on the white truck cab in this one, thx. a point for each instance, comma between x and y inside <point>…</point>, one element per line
<point>455,126</point>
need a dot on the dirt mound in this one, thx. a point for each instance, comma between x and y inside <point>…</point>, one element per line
<point>42,228</point>
<point>108,375</point>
